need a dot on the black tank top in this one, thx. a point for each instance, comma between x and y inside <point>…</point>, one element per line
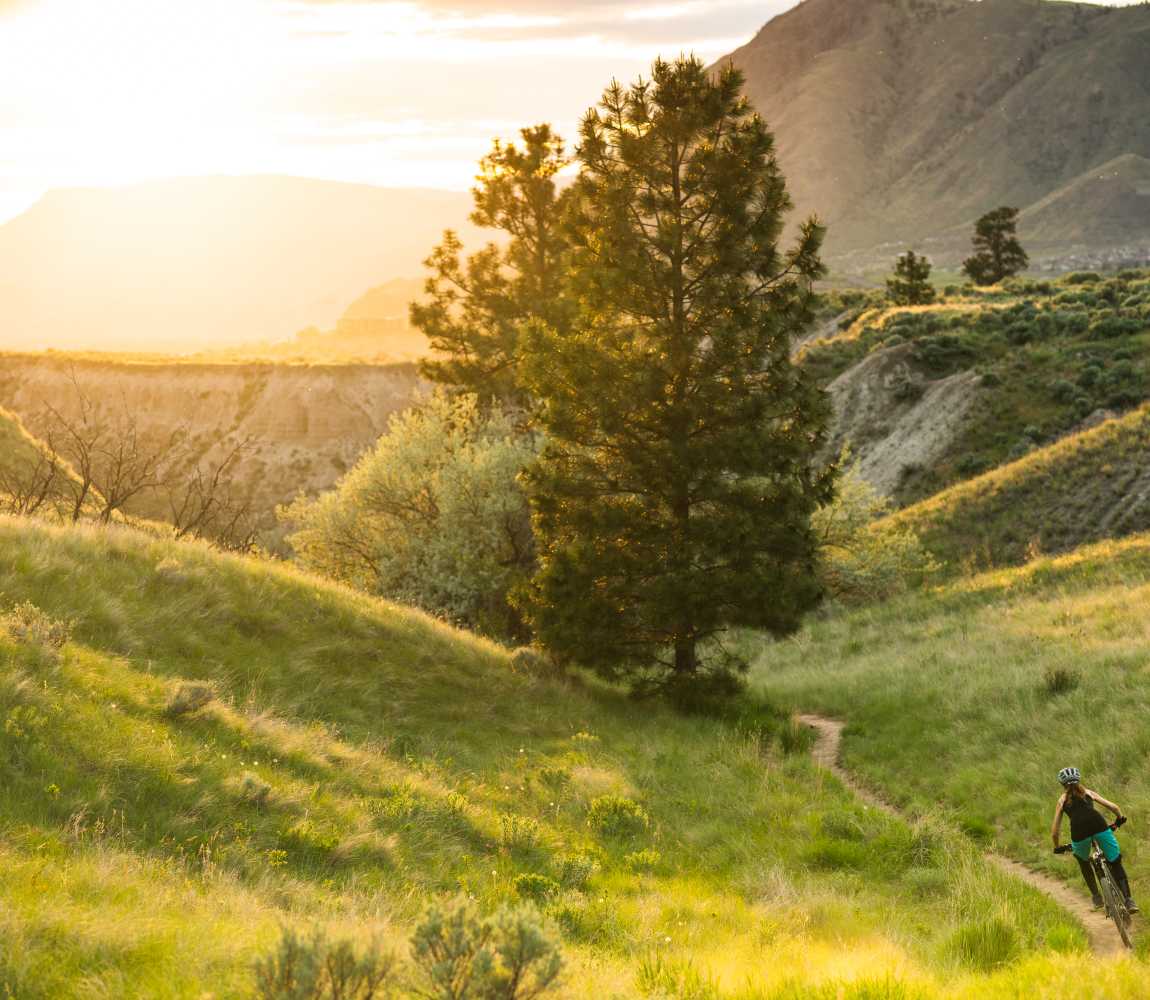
<point>1085,820</point>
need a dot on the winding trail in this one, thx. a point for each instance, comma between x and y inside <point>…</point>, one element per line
<point>1102,934</point>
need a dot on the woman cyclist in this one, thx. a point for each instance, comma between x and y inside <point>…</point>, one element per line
<point>1087,825</point>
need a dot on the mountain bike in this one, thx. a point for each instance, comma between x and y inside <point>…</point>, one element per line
<point>1112,897</point>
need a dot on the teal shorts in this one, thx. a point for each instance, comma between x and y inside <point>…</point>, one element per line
<point>1106,840</point>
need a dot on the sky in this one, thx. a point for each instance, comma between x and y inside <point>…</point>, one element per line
<point>108,92</point>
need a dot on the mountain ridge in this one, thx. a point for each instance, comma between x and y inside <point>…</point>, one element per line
<point>897,120</point>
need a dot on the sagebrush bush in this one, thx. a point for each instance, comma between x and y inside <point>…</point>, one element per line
<point>576,870</point>
<point>509,955</point>
<point>617,816</point>
<point>518,833</point>
<point>189,697</point>
<point>253,789</point>
<point>27,625</point>
<point>318,969</point>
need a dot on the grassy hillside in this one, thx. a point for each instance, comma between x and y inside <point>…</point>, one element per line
<point>1085,488</point>
<point>970,699</point>
<point>360,760</point>
<point>1047,354</point>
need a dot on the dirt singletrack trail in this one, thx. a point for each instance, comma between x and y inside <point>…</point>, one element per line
<point>1100,931</point>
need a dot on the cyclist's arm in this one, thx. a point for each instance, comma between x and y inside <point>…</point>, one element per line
<point>1055,829</point>
<point>1104,803</point>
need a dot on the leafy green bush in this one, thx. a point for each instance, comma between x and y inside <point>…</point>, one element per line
<point>433,516</point>
<point>860,561</point>
<point>507,956</point>
<point>317,969</point>
<point>616,816</point>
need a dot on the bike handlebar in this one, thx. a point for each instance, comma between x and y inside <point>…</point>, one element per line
<point>1063,848</point>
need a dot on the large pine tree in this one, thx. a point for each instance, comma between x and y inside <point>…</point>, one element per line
<point>475,308</point>
<point>673,501</point>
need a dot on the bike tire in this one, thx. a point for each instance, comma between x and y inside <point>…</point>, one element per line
<point>1115,906</point>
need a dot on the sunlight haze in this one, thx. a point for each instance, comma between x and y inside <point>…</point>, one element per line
<point>118,92</point>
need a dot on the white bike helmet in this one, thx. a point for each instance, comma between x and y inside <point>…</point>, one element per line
<point>1070,776</point>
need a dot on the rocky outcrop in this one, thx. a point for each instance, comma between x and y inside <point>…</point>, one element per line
<point>304,425</point>
<point>892,419</point>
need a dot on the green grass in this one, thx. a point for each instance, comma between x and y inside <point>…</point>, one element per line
<point>1083,489</point>
<point>950,699</point>
<point>1050,353</point>
<point>361,760</point>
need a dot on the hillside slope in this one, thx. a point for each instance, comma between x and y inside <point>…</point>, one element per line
<point>182,265</point>
<point>929,396</point>
<point>967,699</point>
<point>360,760</point>
<point>898,119</point>
<point>1084,488</point>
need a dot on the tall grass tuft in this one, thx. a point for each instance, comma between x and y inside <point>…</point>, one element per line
<point>984,945</point>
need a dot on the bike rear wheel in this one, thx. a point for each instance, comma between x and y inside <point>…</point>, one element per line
<point>1115,906</point>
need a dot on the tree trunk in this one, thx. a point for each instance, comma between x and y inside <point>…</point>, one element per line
<point>685,661</point>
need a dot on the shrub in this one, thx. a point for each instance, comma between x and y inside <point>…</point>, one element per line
<point>1063,391</point>
<point>316,969</point>
<point>1082,278</point>
<point>535,887</point>
<point>518,833</point>
<point>984,945</point>
<point>859,560</point>
<point>643,861</point>
<point>576,870</point>
<point>507,956</point>
<point>1060,680</point>
<point>27,625</point>
<point>189,697</point>
<point>434,516</point>
<point>254,789</point>
<point>616,816</point>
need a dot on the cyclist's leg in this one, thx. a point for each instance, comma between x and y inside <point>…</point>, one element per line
<point>1109,844</point>
<point>1081,849</point>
